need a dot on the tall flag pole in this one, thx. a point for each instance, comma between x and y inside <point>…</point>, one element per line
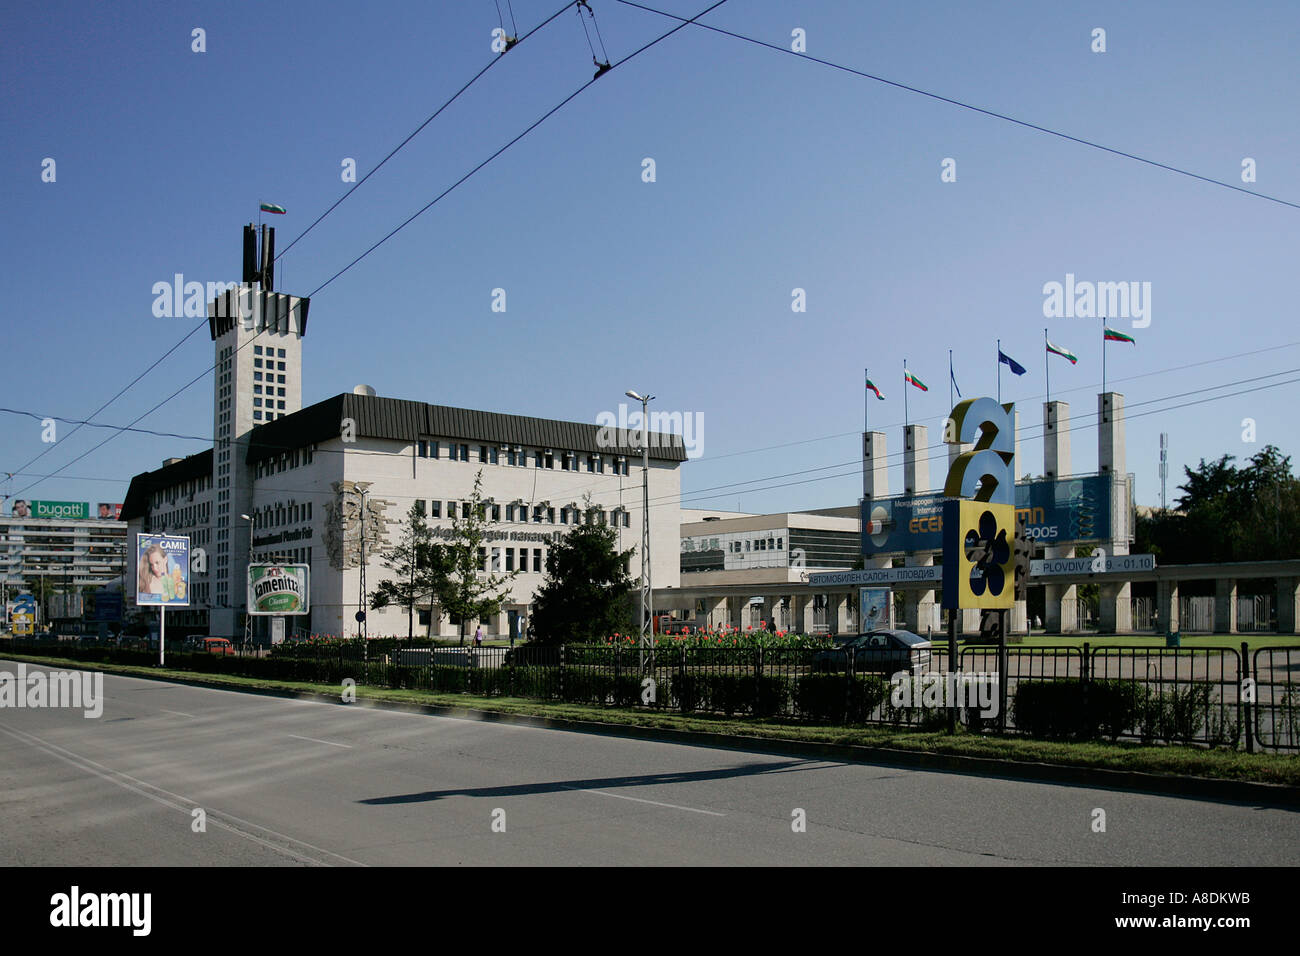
<point>866,402</point>
<point>1110,335</point>
<point>999,371</point>
<point>1103,355</point>
<point>1047,365</point>
<point>905,383</point>
<point>952,381</point>
<point>1056,350</point>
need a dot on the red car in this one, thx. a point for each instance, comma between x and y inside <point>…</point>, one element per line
<point>218,645</point>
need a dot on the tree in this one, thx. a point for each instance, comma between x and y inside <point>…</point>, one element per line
<point>587,592</point>
<point>415,563</point>
<point>1228,513</point>
<point>465,586</point>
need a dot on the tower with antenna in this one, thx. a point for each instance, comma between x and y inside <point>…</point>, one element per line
<point>257,338</point>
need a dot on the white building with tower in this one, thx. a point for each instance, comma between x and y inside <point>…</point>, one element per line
<point>325,484</point>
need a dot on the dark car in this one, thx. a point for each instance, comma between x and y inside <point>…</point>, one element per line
<point>533,655</point>
<point>876,652</point>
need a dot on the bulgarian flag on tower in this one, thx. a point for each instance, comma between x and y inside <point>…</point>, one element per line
<point>272,207</point>
<point>1064,353</point>
<point>913,380</point>
<point>1113,336</point>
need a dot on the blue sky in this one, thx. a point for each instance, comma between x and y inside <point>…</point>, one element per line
<point>772,174</point>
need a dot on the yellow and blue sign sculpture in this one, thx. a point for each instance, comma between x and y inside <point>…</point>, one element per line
<point>979,515</point>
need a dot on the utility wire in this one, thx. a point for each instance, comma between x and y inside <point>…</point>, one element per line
<point>536,123</point>
<point>427,206</point>
<point>322,216</point>
<point>975,109</point>
<point>474,79</point>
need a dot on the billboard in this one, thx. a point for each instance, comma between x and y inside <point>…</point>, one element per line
<point>1056,510</point>
<point>278,589</point>
<point>877,608</point>
<point>105,509</point>
<point>162,570</point>
<point>22,615</point>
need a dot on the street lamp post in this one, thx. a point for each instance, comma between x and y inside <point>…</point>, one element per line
<point>647,602</point>
<point>248,615</point>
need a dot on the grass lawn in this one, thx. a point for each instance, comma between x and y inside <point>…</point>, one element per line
<point>1192,761</point>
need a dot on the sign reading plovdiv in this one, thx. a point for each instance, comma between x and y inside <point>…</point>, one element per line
<point>979,513</point>
<point>278,588</point>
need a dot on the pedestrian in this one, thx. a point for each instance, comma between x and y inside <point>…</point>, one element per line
<point>478,636</point>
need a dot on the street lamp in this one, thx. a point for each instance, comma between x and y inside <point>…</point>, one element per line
<point>248,615</point>
<point>647,603</point>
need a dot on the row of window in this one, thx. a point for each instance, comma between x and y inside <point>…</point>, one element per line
<point>758,544</point>
<point>519,513</point>
<point>268,351</point>
<point>517,456</point>
<point>538,559</point>
<point>286,461</point>
<point>270,516</point>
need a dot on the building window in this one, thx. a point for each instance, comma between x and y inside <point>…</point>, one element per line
<point>419,507</point>
<point>482,454</point>
<point>257,376</point>
<point>280,378</point>
<point>496,512</point>
<point>464,452</point>
<point>510,559</point>
<point>257,416</point>
<point>257,350</point>
<point>492,455</point>
<point>537,559</point>
<point>564,516</point>
<point>280,404</point>
<point>257,389</point>
<point>550,515</point>
<point>257,402</point>
<point>482,559</point>
<point>281,355</point>
<point>464,509</point>
<point>435,509</point>
<point>280,392</point>
<point>257,363</point>
<point>510,512</point>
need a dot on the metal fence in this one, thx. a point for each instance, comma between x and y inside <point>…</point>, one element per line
<point>1216,696</point>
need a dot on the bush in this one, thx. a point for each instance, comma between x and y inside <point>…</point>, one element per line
<point>838,699</point>
<point>1052,709</point>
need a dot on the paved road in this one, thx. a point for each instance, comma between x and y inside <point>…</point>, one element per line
<point>287,782</point>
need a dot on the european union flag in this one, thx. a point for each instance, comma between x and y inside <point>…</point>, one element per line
<point>1006,359</point>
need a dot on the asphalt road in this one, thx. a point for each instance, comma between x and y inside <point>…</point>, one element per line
<point>287,782</point>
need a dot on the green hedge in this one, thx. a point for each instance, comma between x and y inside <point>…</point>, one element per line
<point>1072,710</point>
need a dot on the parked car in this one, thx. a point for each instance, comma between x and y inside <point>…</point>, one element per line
<point>533,655</point>
<point>216,645</point>
<point>876,652</point>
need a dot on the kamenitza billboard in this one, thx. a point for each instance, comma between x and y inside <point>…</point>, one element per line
<point>278,589</point>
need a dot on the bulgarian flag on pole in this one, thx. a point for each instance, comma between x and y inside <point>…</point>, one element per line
<point>872,386</point>
<point>272,207</point>
<point>913,380</point>
<point>1064,353</point>
<point>1113,336</point>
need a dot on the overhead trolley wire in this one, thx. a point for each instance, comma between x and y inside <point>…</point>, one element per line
<point>976,109</point>
<point>549,113</point>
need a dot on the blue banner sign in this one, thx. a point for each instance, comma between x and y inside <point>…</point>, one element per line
<point>1057,511</point>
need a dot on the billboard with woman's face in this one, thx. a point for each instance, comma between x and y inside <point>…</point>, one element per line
<point>162,569</point>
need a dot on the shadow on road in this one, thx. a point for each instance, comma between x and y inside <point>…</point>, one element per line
<point>597,783</point>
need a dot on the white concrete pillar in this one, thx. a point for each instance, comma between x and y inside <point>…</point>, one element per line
<point>1225,606</point>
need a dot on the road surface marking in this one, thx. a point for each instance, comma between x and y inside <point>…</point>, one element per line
<point>179,713</point>
<point>317,741</point>
<point>670,806</point>
<point>112,776</point>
